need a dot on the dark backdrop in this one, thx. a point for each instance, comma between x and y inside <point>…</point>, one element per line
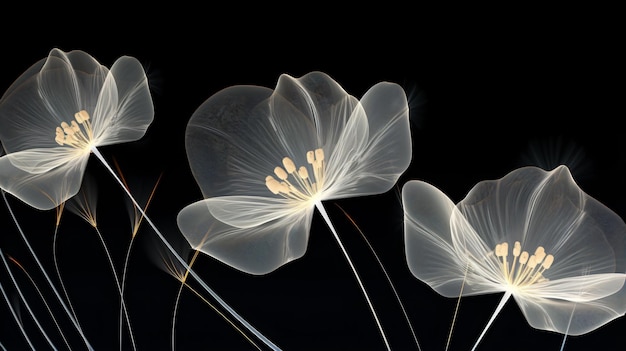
<point>488,94</point>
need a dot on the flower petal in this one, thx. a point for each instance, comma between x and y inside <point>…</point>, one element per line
<point>44,190</point>
<point>256,250</point>
<point>250,211</point>
<point>244,140</point>
<point>360,167</point>
<point>548,209</point>
<point>574,317</point>
<point>124,110</point>
<point>432,254</point>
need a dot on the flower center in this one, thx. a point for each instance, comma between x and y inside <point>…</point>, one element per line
<point>524,270</point>
<point>295,183</point>
<point>73,135</point>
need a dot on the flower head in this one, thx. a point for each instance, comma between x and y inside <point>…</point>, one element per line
<point>264,158</point>
<point>533,234</point>
<point>57,112</point>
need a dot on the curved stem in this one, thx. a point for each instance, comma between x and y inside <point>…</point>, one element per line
<point>504,299</point>
<point>380,264</point>
<point>119,289</point>
<point>30,311</point>
<point>322,210</point>
<point>43,271</point>
<point>14,314</point>
<point>180,259</point>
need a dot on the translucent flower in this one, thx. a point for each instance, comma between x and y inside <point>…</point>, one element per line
<point>265,159</point>
<point>57,112</point>
<point>534,235</point>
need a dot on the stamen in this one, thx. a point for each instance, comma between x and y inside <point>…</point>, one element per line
<point>72,135</point>
<point>525,269</point>
<point>296,184</point>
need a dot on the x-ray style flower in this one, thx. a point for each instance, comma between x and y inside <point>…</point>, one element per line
<point>265,159</point>
<point>533,235</point>
<point>57,112</point>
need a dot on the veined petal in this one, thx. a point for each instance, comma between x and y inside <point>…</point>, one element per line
<point>547,209</point>
<point>581,288</point>
<point>244,140</point>
<point>585,316</point>
<point>375,147</point>
<point>255,250</point>
<point>41,160</point>
<point>251,211</point>
<point>44,190</point>
<point>432,255</point>
<point>124,110</point>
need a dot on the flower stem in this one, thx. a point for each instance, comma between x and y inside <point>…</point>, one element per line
<point>182,261</point>
<point>504,299</point>
<point>324,214</point>
<point>48,280</point>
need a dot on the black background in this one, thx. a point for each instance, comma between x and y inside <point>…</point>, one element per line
<point>488,94</point>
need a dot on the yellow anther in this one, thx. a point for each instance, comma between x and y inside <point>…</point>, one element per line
<point>517,249</point>
<point>289,165</point>
<point>280,173</point>
<point>71,133</point>
<point>296,183</point>
<point>303,173</point>
<point>525,269</point>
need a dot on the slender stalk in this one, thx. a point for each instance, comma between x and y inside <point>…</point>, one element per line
<point>43,271</point>
<point>43,299</point>
<point>14,314</point>
<point>456,309</point>
<point>380,264</point>
<point>182,262</point>
<point>324,214</point>
<point>571,316</point>
<point>504,299</point>
<point>30,311</point>
<point>119,289</point>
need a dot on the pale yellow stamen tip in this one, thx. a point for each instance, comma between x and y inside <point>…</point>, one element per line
<point>71,133</point>
<point>289,165</point>
<point>525,269</point>
<point>297,183</point>
<point>280,173</point>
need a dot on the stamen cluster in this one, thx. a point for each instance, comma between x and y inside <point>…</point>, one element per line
<point>72,134</point>
<point>302,187</point>
<point>525,269</point>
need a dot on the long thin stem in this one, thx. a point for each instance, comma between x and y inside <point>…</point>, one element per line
<point>30,311</point>
<point>43,299</point>
<point>14,314</point>
<point>571,316</point>
<point>503,301</point>
<point>43,271</point>
<point>182,262</point>
<point>324,214</point>
<point>382,267</point>
<point>119,289</point>
<point>456,309</point>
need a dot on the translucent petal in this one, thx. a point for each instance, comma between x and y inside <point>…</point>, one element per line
<point>234,127</point>
<point>357,168</point>
<point>38,161</point>
<point>124,110</point>
<point>48,93</point>
<point>257,250</point>
<point>45,190</point>
<point>548,209</point>
<point>432,255</point>
<point>554,314</point>
<point>250,211</point>
<point>582,288</point>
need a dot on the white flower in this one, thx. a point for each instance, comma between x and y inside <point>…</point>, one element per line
<point>57,112</point>
<point>264,159</point>
<point>534,235</point>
